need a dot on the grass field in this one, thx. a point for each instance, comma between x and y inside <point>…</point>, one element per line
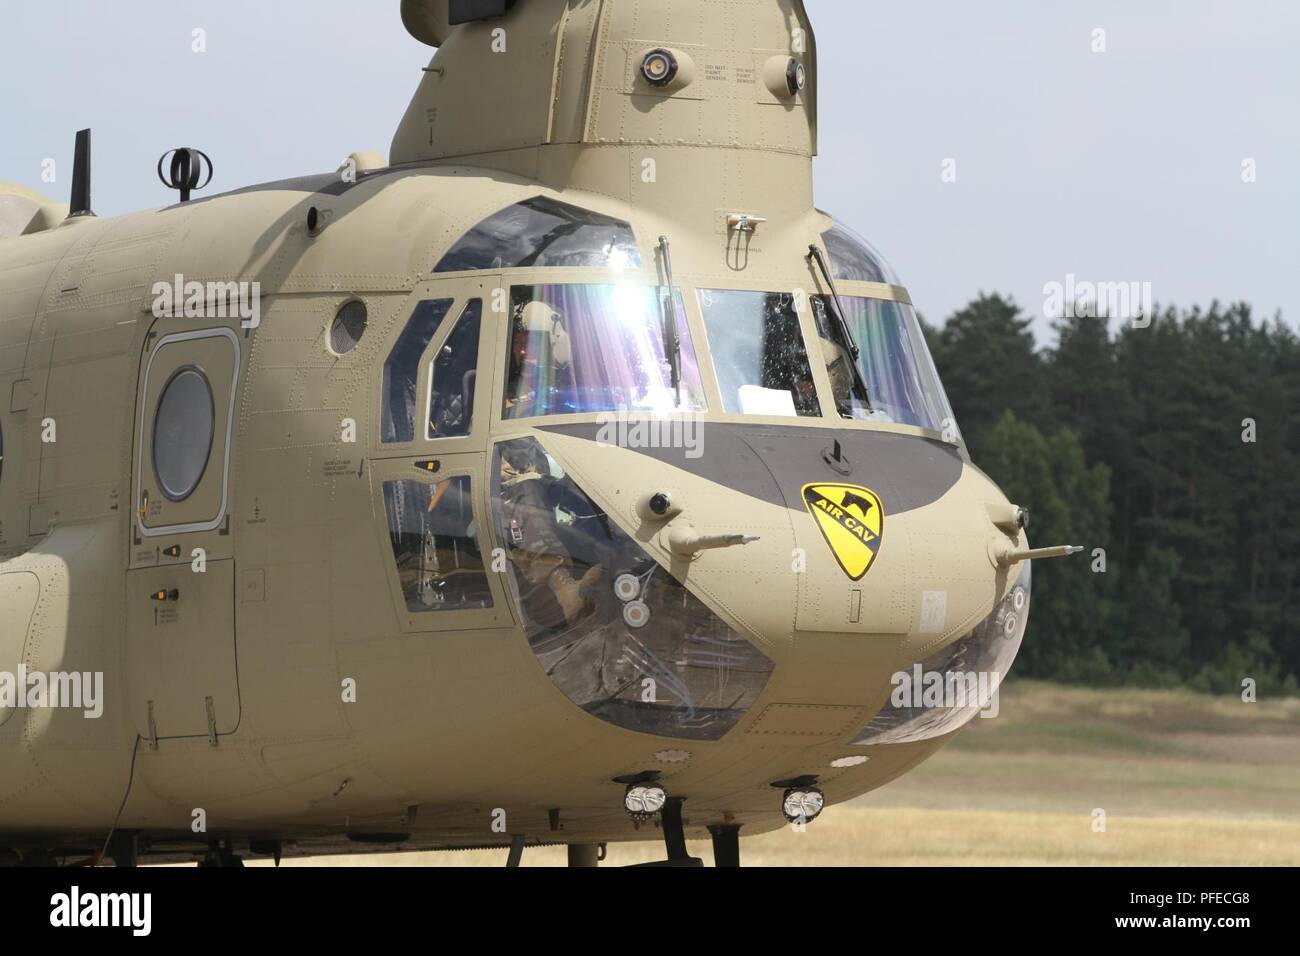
<point>1183,779</point>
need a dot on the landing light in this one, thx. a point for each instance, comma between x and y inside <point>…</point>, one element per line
<point>644,800</point>
<point>802,804</point>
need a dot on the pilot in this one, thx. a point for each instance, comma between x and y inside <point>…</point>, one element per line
<point>540,358</point>
<point>839,366</point>
<point>552,594</point>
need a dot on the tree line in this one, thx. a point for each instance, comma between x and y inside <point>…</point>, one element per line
<point>1166,448</point>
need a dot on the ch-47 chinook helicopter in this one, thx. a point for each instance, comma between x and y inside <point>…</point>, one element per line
<point>567,479</point>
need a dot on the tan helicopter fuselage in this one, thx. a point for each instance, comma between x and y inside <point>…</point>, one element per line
<point>262,669</point>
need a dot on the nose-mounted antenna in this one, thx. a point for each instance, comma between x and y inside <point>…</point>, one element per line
<point>187,167</point>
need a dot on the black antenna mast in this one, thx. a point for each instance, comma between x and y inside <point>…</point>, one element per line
<point>80,203</point>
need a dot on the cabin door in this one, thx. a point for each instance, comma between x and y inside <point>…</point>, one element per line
<point>180,583</point>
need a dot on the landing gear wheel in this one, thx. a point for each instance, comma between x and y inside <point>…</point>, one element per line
<point>220,854</point>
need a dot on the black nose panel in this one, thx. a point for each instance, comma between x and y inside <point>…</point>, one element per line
<point>774,463</point>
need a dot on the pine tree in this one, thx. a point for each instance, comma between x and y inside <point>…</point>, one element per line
<point>987,362</point>
<point>1139,444</point>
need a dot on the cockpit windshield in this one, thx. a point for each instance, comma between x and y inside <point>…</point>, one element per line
<point>903,385</point>
<point>578,349</point>
<point>759,354</point>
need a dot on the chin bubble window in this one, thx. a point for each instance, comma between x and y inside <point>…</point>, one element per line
<point>182,433</point>
<point>893,359</point>
<point>453,377</point>
<point>619,635</point>
<point>947,690</point>
<point>579,349</point>
<point>759,354</point>
<point>436,545</point>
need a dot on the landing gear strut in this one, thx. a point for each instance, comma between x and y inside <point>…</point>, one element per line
<point>675,836</point>
<point>220,854</point>
<point>726,844</point>
<point>585,855</point>
<point>124,848</point>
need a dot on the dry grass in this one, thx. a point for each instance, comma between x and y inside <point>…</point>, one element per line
<point>1183,779</point>
<point>860,836</point>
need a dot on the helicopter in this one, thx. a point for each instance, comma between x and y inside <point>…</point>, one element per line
<point>563,477</point>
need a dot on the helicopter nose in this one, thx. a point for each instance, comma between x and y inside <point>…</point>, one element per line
<point>667,591</point>
<point>798,533</point>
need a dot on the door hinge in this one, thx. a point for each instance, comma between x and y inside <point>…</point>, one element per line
<point>153,729</point>
<point>212,721</point>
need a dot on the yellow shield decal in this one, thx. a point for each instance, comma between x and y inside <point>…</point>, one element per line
<point>852,520</point>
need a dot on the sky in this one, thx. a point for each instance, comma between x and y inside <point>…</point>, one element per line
<point>982,147</point>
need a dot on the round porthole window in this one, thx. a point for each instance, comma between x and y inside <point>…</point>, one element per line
<point>349,325</point>
<point>182,433</point>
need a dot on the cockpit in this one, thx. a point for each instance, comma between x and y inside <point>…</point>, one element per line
<point>540,315</point>
<point>583,349</point>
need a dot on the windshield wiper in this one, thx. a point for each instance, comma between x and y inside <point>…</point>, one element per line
<point>672,343</point>
<point>846,334</point>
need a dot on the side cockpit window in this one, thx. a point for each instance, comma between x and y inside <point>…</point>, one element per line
<point>402,370</point>
<point>436,545</point>
<point>453,377</point>
<point>894,361</point>
<point>544,233</point>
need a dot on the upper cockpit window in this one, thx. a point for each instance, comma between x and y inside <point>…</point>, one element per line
<point>544,233</point>
<point>578,349</point>
<point>759,353</point>
<point>402,370</point>
<point>853,259</point>
<point>895,363</point>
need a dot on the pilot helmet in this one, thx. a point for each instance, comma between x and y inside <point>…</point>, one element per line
<point>538,318</point>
